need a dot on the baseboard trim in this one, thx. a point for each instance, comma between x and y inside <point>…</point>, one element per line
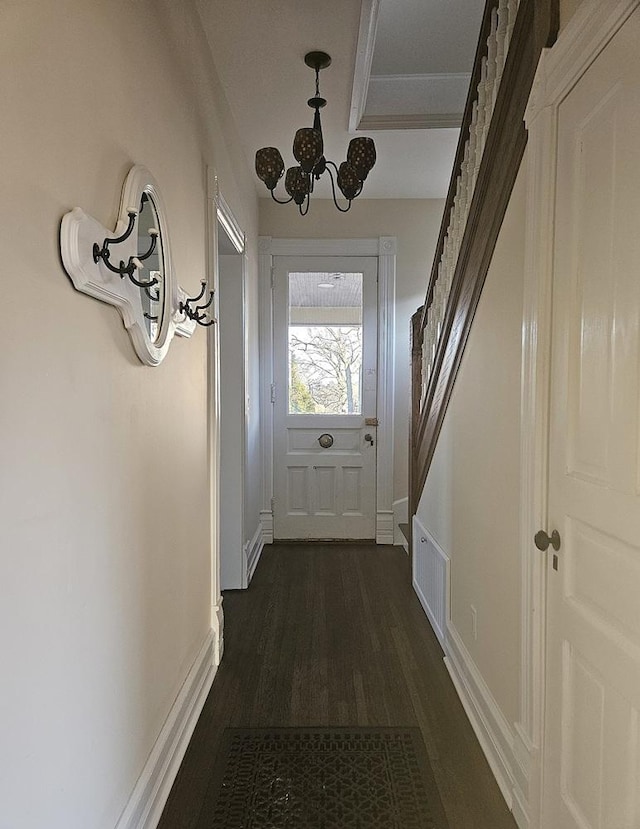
<point>491,728</point>
<point>217,628</point>
<point>384,527</point>
<point>253,551</point>
<point>400,516</point>
<point>152,789</point>
<point>519,810</point>
<point>266,522</point>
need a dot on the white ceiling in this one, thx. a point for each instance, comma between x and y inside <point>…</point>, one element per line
<point>258,47</point>
<point>417,37</point>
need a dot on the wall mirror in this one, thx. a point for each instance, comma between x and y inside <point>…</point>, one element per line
<point>152,298</point>
<point>130,267</point>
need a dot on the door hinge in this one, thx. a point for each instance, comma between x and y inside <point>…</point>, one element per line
<point>273,504</point>
<point>273,392</point>
<point>273,276</point>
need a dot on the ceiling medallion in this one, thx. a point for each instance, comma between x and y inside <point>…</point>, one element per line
<point>308,149</point>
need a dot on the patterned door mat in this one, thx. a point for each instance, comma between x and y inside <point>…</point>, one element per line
<point>325,778</point>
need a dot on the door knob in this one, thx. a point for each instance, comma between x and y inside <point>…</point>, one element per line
<point>542,540</point>
<point>326,440</point>
<point>369,438</point>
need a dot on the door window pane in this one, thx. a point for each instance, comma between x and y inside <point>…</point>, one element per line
<point>325,343</point>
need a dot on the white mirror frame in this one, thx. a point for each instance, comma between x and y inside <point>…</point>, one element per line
<point>79,232</point>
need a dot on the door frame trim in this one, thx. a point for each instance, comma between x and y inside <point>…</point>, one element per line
<point>217,210</point>
<point>588,32</point>
<point>384,248</point>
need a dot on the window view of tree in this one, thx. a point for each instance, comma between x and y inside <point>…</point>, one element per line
<point>300,400</point>
<point>325,369</point>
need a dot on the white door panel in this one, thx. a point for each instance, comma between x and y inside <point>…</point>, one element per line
<point>592,753</point>
<point>324,491</point>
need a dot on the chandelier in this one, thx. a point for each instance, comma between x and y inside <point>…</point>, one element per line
<point>308,150</point>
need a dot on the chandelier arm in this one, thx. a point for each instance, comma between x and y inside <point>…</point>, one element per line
<point>306,209</point>
<point>281,201</point>
<point>333,188</point>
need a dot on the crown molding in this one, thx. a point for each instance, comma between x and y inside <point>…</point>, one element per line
<point>364,58</point>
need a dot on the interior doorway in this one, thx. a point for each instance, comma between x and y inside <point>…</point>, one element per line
<point>383,250</point>
<point>325,424</point>
<point>592,720</point>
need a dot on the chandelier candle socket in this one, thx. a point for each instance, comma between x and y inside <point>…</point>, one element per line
<point>308,151</point>
<point>269,166</point>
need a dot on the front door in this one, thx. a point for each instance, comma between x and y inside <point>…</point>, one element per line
<point>325,314</point>
<point>592,752</point>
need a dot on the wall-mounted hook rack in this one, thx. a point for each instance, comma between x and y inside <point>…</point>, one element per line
<point>196,313</point>
<point>152,308</point>
<point>135,262</point>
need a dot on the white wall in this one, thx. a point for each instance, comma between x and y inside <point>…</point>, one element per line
<point>415,223</point>
<point>567,9</point>
<point>231,423</point>
<point>470,502</point>
<point>105,567</point>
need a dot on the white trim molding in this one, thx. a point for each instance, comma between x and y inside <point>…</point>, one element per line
<point>227,223</point>
<point>252,553</point>
<point>427,101</point>
<point>437,121</point>
<point>385,249</point>
<point>230,224</point>
<point>489,723</point>
<point>369,11</point>
<point>266,524</point>
<point>151,791</point>
<point>265,287</point>
<point>400,516</point>
<point>213,418</point>
<point>320,247</point>
<point>591,28</point>
<point>217,629</point>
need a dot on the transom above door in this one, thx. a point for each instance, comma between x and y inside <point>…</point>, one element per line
<point>325,436</point>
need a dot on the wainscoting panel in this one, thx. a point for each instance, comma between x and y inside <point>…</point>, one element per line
<point>431,579</point>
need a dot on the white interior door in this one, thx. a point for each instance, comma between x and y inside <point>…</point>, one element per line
<point>592,742</point>
<point>325,315</point>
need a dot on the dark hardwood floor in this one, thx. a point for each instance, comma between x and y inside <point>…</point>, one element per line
<point>333,635</point>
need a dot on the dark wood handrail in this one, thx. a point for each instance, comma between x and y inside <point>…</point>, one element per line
<point>535,26</point>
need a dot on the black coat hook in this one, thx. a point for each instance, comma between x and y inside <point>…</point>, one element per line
<point>195,313</point>
<point>135,262</point>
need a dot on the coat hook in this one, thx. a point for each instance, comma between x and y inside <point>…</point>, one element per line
<point>135,262</point>
<point>196,314</point>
